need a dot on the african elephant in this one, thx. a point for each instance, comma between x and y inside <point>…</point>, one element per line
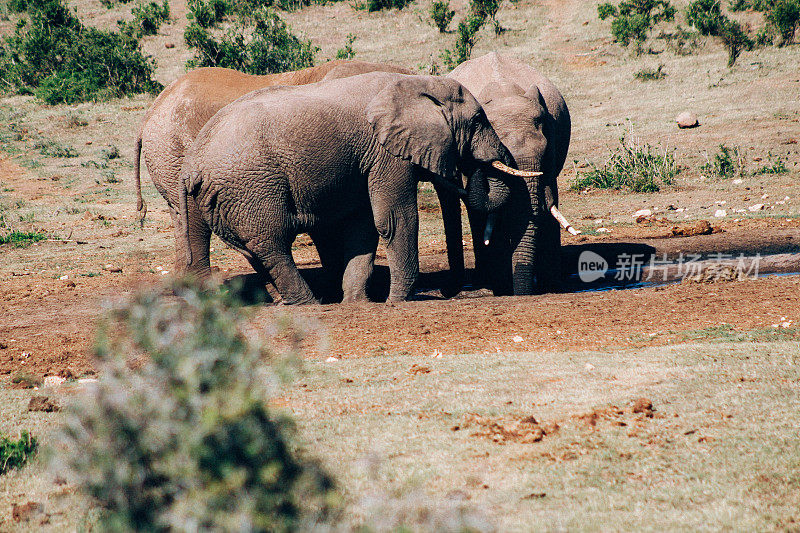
<point>176,116</point>
<point>340,160</point>
<point>529,114</point>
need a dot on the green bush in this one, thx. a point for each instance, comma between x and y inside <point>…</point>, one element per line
<point>378,5</point>
<point>707,17</point>
<point>270,46</point>
<point>347,52</point>
<point>632,167</point>
<point>59,59</point>
<point>111,3</point>
<point>441,14</point>
<point>55,149</point>
<point>146,19</point>
<point>466,34</point>
<point>785,17</point>
<point>22,239</point>
<point>633,19</point>
<point>177,434</point>
<point>776,166</point>
<point>17,6</point>
<point>15,453</point>
<point>209,13</point>
<point>727,163</point>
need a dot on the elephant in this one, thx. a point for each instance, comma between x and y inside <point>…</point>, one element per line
<point>340,160</point>
<point>529,114</point>
<point>176,116</point>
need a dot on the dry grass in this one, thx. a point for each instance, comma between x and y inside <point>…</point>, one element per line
<point>718,450</point>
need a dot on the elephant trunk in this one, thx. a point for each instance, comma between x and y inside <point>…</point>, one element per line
<point>524,254</point>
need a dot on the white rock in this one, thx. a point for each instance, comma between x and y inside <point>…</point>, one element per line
<point>720,202</point>
<point>517,338</point>
<point>64,277</point>
<point>764,196</point>
<point>589,367</point>
<point>599,221</point>
<point>756,207</point>
<point>642,213</point>
<point>331,359</point>
<point>53,381</point>
<point>603,230</point>
<point>687,119</point>
<point>737,181</point>
<point>719,213</point>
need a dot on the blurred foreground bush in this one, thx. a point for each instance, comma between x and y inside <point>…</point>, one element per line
<point>180,436</point>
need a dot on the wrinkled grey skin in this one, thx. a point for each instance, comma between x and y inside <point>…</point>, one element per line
<point>529,114</point>
<point>340,160</point>
<point>176,116</point>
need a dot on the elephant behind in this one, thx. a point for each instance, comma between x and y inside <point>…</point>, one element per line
<point>340,160</point>
<point>178,114</point>
<point>531,117</point>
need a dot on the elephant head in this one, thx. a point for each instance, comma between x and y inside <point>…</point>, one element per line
<point>439,125</point>
<point>538,138</point>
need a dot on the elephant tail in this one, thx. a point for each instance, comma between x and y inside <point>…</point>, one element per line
<point>141,206</point>
<point>184,217</point>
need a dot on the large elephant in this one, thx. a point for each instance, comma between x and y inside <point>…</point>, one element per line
<point>340,160</point>
<point>176,116</point>
<point>529,114</point>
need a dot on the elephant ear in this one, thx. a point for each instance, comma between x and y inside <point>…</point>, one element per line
<point>416,118</point>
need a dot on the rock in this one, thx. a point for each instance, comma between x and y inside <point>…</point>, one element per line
<point>53,381</point>
<point>687,119</point>
<point>331,359</point>
<point>112,268</point>
<point>169,45</point>
<point>642,213</point>
<point>719,213</point>
<point>702,227</point>
<point>737,181</point>
<point>44,404</point>
<point>603,230</point>
<point>756,207</point>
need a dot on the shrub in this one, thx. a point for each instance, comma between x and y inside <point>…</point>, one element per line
<point>347,51</point>
<point>647,74</point>
<point>740,5</point>
<point>146,19</point>
<point>633,19</point>
<point>632,167</point>
<point>55,149</point>
<point>22,239</point>
<point>180,436</point>
<point>378,5</point>
<point>269,48</point>
<point>17,6</point>
<point>441,14</point>
<point>707,17</point>
<point>465,40</point>
<point>776,166</point>
<point>15,453</point>
<point>59,59</point>
<point>111,3</point>
<point>785,17</point>
<point>209,13</point>
<point>727,163</point>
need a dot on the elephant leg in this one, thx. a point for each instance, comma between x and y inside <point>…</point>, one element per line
<point>399,225</point>
<point>358,254</point>
<point>199,239</point>
<point>548,255</point>
<point>329,247</point>
<point>279,264</point>
<point>451,216</point>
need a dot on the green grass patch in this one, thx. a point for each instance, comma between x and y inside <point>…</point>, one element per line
<point>632,166</point>
<point>15,453</point>
<point>727,333</point>
<point>650,74</point>
<point>22,239</point>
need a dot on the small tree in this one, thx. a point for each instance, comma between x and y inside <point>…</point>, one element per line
<point>785,16</point>
<point>180,436</point>
<point>268,48</point>
<point>441,14</point>
<point>633,19</point>
<point>707,17</point>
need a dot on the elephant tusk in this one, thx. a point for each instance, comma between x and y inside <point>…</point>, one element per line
<point>487,233</point>
<point>514,172</point>
<point>563,221</point>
